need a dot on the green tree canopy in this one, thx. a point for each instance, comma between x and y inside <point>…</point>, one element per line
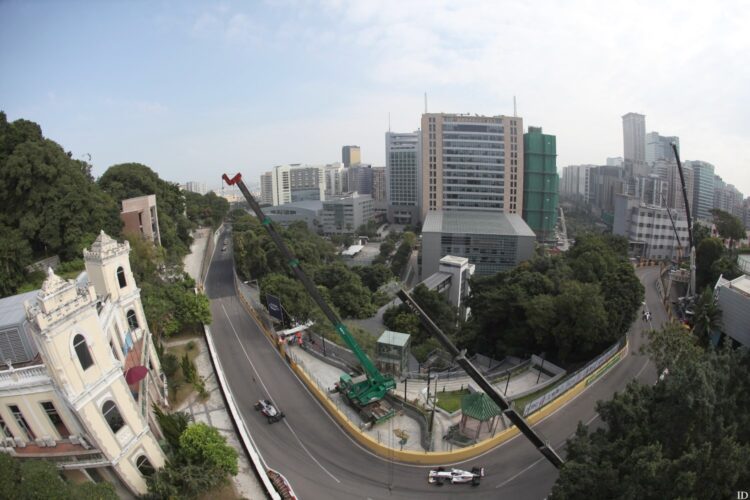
<point>48,196</point>
<point>36,479</point>
<point>688,436</point>
<point>708,252</point>
<point>205,209</point>
<point>730,227</point>
<point>203,445</point>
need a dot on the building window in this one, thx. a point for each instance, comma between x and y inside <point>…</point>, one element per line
<point>112,416</point>
<point>22,422</point>
<point>82,350</point>
<point>6,431</point>
<point>121,277</point>
<point>132,320</point>
<point>144,466</point>
<point>54,417</point>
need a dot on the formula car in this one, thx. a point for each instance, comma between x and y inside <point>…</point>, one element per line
<point>440,475</point>
<point>269,410</point>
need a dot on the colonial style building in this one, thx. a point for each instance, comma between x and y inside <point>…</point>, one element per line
<point>79,374</point>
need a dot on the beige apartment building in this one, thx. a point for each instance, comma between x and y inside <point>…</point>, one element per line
<point>79,374</point>
<point>472,163</point>
<point>139,216</point>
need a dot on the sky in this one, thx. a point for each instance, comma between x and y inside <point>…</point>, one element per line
<point>196,89</point>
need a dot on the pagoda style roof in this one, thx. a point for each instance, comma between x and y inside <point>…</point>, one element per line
<point>479,406</point>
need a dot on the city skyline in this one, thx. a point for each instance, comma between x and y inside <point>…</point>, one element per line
<point>194,90</point>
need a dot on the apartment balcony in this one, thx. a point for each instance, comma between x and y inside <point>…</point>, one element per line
<point>73,452</point>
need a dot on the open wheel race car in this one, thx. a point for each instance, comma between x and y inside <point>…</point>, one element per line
<point>441,475</point>
<point>269,410</point>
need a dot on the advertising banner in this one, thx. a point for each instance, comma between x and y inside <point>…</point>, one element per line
<point>274,307</point>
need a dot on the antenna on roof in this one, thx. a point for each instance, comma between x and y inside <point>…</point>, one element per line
<point>515,115</point>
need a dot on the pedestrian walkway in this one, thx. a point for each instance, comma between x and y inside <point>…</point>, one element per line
<point>213,412</point>
<point>194,260</point>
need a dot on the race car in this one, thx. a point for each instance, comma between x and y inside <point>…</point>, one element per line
<point>269,410</point>
<point>440,475</point>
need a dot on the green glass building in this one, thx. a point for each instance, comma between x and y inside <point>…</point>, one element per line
<point>540,183</point>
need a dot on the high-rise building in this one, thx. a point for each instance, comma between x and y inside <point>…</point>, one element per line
<point>196,187</point>
<point>703,189</point>
<point>378,184</point>
<point>540,182</point>
<point>634,143</point>
<point>576,182</point>
<point>471,163</point>
<point>615,161</point>
<point>335,179</point>
<point>351,155</point>
<point>359,179</point>
<point>346,213</point>
<point>403,183</point>
<point>604,183</point>
<point>668,171</point>
<point>290,183</point>
<point>659,147</point>
<point>727,197</point>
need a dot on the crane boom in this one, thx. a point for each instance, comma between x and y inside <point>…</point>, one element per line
<point>377,384</point>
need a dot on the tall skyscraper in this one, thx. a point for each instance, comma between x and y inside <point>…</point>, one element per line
<point>540,182</point>
<point>471,163</point>
<point>659,147</point>
<point>634,143</point>
<point>378,184</point>
<point>703,189</point>
<point>351,155</point>
<point>403,184</point>
<point>335,178</point>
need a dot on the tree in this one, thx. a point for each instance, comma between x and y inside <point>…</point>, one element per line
<point>203,445</point>
<point>205,209</point>
<point>172,425</point>
<point>47,196</point>
<point>729,226</point>
<point>15,255</point>
<point>33,479</point>
<point>685,437</point>
<point>374,276</point>
<point>706,317</point>
<point>293,296</point>
<point>709,251</point>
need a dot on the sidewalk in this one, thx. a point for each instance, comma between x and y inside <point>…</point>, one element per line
<point>213,412</point>
<point>193,261</point>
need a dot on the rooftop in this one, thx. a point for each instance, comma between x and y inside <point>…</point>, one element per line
<point>394,338</point>
<point>476,222</point>
<point>741,284</point>
<point>12,311</point>
<point>315,205</point>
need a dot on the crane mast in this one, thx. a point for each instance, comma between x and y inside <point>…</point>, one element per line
<point>360,393</point>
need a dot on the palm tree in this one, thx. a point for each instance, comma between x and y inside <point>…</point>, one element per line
<point>707,317</point>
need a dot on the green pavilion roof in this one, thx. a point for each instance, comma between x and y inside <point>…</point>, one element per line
<point>478,405</point>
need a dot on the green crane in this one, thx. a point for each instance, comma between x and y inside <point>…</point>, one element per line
<point>365,393</point>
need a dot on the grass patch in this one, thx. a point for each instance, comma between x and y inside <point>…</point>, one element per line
<point>179,389</point>
<point>450,401</point>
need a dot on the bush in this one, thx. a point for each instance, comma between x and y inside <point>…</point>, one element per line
<point>169,364</point>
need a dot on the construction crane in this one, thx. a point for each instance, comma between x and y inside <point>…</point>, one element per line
<point>365,392</point>
<point>691,242</point>
<point>460,357</point>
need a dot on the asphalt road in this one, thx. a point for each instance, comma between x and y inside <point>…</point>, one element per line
<point>322,462</point>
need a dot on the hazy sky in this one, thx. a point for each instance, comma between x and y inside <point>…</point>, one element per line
<point>197,89</point>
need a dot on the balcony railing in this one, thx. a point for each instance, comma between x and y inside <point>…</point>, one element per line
<point>16,377</point>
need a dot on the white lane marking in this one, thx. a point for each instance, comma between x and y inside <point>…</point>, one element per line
<point>271,397</point>
<point>588,422</point>
<point>519,473</point>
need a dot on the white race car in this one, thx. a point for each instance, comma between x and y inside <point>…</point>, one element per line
<point>269,410</point>
<point>441,474</point>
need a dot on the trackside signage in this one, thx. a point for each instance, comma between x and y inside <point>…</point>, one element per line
<point>573,380</point>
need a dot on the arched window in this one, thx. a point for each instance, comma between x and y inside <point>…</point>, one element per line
<point>144,466</point>
<point>112,416</point>
<point>132,320</point>
<point>121,277</point>
<point>82,350</point>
